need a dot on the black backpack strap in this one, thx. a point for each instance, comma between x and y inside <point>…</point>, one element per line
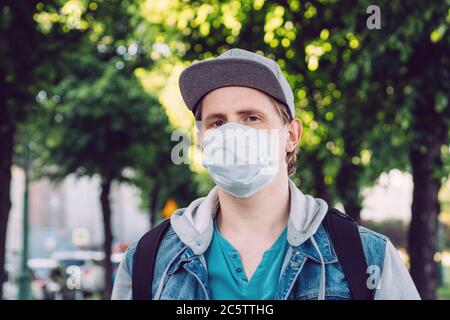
<point>144,261</point>
<point>347,243</point>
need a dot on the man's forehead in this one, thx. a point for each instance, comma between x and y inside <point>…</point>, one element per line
<point>235,93</point>
<point>236,103</point>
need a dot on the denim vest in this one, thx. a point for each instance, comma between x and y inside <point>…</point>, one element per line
<point>181,274</point>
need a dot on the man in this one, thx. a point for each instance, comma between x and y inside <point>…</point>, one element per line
<point>255,235</point>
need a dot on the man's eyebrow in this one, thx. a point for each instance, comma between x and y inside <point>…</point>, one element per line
<point>250,110</point>
<point>215,115</point>
<point>247,110</point>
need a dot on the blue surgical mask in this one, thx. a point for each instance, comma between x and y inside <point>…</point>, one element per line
<point>240,159</point>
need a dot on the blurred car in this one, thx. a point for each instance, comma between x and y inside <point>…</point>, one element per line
<point>41,270</point>
<point>93,274</point>
<point>88,278</point>
<point>76,257</point>
<point>90,264</point>
<point>92,278</point>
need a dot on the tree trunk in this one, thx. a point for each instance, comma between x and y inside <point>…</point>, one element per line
<point>6,154</point>
<point>425,157</point>
<point>322,190</point>
<point>107,242</point>
<point>154,207</point>
<point>348,188</point>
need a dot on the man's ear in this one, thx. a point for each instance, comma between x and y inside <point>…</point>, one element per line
<point>295,130</point>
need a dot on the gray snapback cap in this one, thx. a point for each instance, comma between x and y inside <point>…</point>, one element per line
<point>235,67</point>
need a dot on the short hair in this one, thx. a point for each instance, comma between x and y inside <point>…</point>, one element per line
<point>286,117</point>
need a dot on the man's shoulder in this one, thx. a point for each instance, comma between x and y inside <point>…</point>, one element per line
<point>169,239</point>
<point>374,246</point>
<point>370,235</point>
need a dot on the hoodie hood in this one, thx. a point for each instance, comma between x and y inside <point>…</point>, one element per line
<point>194,224</point>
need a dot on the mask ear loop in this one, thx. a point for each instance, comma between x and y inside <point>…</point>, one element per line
<point>276,152</point>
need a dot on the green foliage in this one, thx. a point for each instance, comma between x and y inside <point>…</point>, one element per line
<point>99,120</point>
<point>159,179</point>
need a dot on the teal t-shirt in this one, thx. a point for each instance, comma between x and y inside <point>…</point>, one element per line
<point>226,275</point>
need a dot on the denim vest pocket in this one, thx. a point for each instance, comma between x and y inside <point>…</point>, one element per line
<point>307,284</point>
<point>181,286</point>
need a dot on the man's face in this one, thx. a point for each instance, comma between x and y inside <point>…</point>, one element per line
<point>248,107</point>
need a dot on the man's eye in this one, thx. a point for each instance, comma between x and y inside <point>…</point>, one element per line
<point>253,118</point>
<point>217,123</point>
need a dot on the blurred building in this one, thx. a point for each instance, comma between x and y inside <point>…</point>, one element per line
<point>390,198</point>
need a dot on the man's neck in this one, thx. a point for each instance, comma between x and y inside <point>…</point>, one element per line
<point>263,215</point>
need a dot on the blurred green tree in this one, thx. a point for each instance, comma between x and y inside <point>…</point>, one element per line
<point>410,82</point>
<point>28,62</point>
<point>159,179</point>
<point>103,117</point>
